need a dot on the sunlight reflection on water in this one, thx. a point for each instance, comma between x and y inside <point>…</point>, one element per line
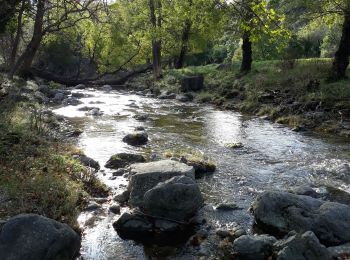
<point>272,156</point>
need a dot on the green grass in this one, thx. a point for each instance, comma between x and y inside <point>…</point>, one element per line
<point>37,173</point>
<point>227,88</point>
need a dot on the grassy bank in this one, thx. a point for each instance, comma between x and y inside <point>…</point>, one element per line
<point>295,93</point>
<point>37,171</point>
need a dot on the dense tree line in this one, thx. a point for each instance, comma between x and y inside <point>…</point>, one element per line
<point>89,38</point>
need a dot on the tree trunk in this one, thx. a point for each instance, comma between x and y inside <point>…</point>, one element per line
<point>18,35</point>
<point>24,62</point>
<point>184,45</point>
<point>341,60</point>
<point>156,43</point>
<point>247,53</point>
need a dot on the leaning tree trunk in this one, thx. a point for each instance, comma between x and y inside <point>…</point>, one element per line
<point>184,45</point>
<point>156,43</point>
<point>247,53</point>
<point>18,35</point>
<point>24,62</point>
<point>341,60</point>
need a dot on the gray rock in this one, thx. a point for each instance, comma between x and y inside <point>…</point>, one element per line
<point>184,97</point>
<point>121,160</point>
<point>250,247</point>
<point>343,170</point>
<point>167,96</point>
<point>100,200</point>
<point>92,206</point>
<point>80,86</point>
<point>141,117</point>
<point>340,252</point>
<point>94,112</point>
<point>32,237</point>
<point>119,172</point>
<point>140,128</point>
<point>122,197</point>
<point>86,108</point>
<point>281,212</point>
<point>131,226</point>
<point>231,233</point>
<point>194,83</point>
<point>150,230</point>
<point>115,209</point>
<point>78,95</point>
<point>178,198</point>
<point>136,138</point>
<point>58,98</point>
<point>301,247</point>
<point>227,206</point>
<point>106,88</point>
<point>72,101</point>
<point>145,176</point>
<point>306,190</point>
<point>87,161</point>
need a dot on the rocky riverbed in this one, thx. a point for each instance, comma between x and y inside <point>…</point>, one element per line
<point>268,157</point>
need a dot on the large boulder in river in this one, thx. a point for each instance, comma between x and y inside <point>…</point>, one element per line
<point>178,198</point>
<point>145,176</point>
<point>149,230</point>
<point>301,246</point>
<point>136,138</point>
<point>281,212</point>
<point>32,237</point>
<point>193,83</point>
<point>121,160</point>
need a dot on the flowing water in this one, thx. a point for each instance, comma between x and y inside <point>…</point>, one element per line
<point>273,157</point>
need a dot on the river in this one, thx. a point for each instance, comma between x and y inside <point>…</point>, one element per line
<point>273,157</point>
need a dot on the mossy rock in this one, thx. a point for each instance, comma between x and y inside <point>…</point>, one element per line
<point>234,145</point>
<point>122,160</point>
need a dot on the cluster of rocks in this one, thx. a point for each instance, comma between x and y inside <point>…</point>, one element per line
<point>45,94</point>
<point>189,84</point>
<point>308,228</point>
<point>164,197</point>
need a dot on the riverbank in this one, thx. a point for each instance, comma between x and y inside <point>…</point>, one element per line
<point>40,170</point>
<point>293,93</point>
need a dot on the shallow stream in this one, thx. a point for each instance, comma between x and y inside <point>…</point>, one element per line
<point>273,157</point>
